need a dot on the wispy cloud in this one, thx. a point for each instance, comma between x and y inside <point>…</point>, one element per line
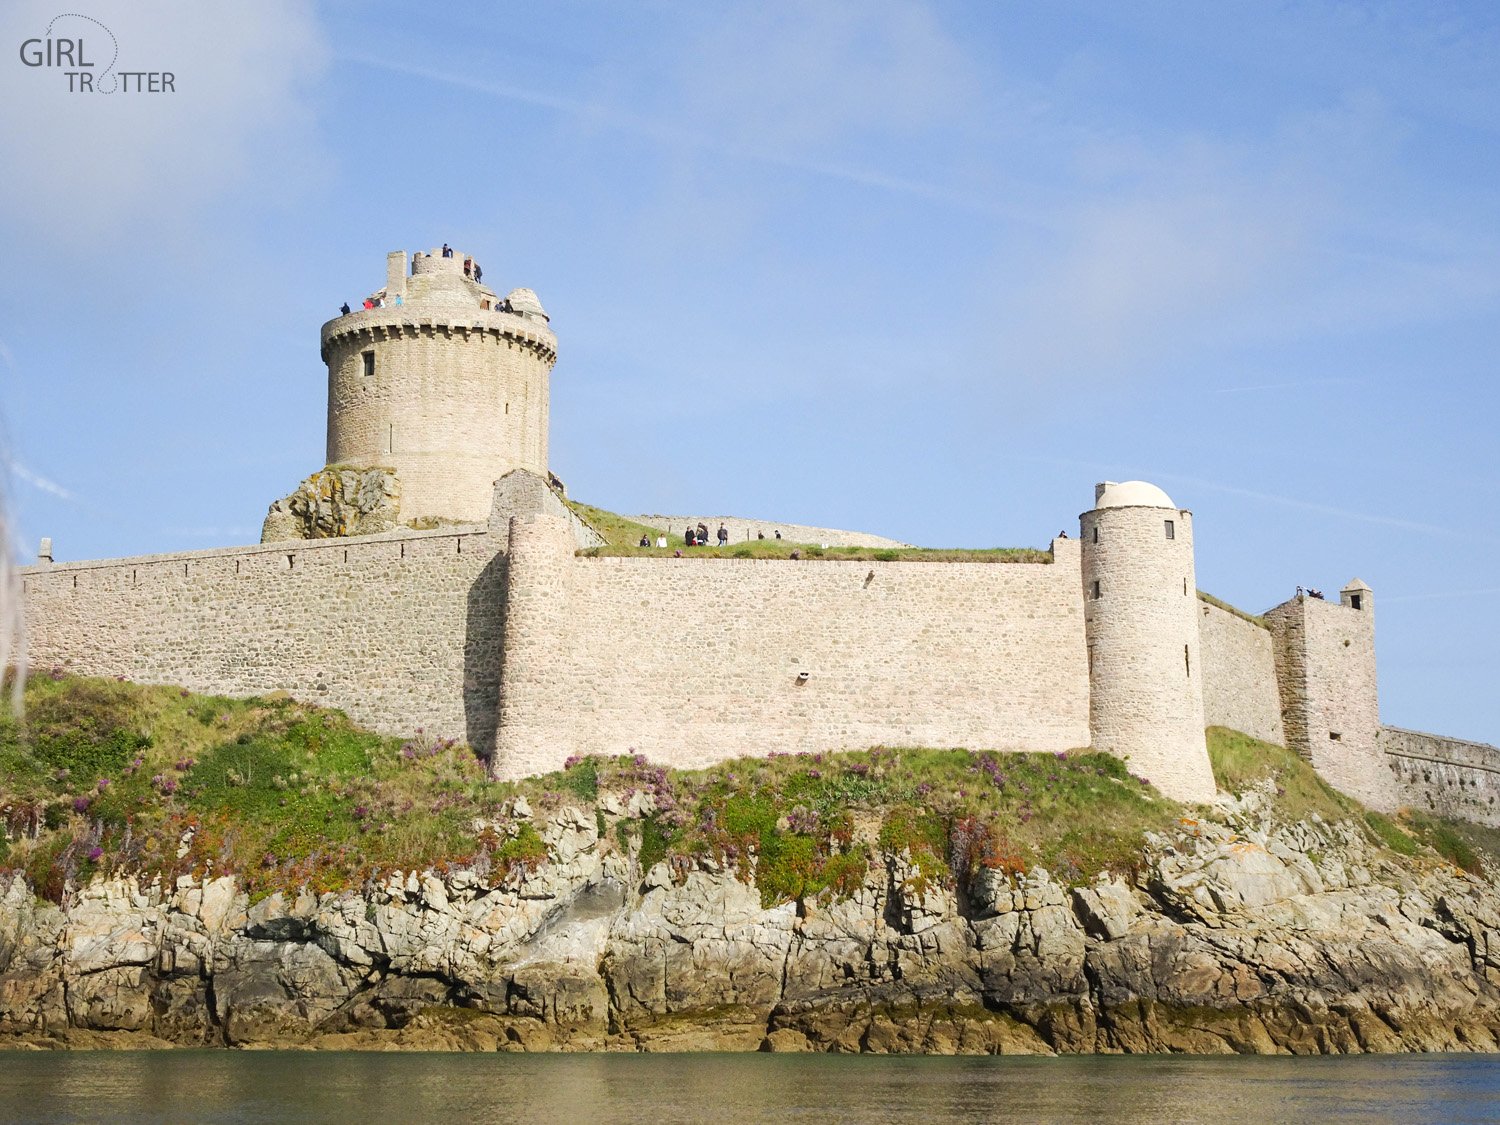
<point>37,481</point>
<point>708,137</point>
<point>1199,484</point>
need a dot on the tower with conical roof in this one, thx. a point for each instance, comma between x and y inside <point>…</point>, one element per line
<point>442,381</point>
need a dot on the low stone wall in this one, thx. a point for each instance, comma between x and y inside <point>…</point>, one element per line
<point>1448,776</point>
<point>1239,674</point>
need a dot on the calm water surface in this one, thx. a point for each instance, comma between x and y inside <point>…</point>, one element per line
<point>274,1086</point>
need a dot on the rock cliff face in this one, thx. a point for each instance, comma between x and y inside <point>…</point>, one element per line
<point>336,502</point>
<point>1233,936</point>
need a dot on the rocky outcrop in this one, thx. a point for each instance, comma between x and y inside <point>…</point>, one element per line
<point>1234,936</point>
<point>336,502</point>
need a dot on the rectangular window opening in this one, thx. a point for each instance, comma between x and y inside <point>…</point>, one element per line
<point>369,360</point>
<point>289,562</point>
<point>1096,533</point>
<point>1335,736</point>
<point>1356,601</point>
<point>1171,528</point>
<point>1187,661</point>
<point>1097,593</point>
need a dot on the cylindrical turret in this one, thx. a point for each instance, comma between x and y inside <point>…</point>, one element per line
<point>443,382</point>
<point>1141,625</point>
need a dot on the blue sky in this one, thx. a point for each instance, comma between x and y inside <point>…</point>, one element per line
<point>923,270</point>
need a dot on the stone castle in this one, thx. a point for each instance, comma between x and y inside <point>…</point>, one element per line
<point>432,579</point>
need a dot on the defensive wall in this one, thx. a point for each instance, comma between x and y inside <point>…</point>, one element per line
<point>1450,776</point>
<point>692,660</point>
<point>501,634</point>
<point>1239,674</point>
<point>401,631</point>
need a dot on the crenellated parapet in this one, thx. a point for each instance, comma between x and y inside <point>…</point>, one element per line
<point>371,326</point>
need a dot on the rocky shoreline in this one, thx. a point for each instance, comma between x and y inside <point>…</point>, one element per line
<point>1234,935</point>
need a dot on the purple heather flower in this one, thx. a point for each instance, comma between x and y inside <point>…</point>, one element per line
<point>81,804</point>
<point>96,853</point>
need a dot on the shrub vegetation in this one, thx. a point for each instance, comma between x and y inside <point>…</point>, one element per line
<point>155,782</point>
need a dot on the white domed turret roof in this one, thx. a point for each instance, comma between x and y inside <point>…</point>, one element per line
<point>1132,494</point>
<point>524,302</point>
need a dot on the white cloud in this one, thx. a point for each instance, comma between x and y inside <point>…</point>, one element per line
<point>80,165</point>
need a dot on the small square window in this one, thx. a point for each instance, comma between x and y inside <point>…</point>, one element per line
<point>1356,601</point>
<point>1171,529</point>
<point>369,358</point>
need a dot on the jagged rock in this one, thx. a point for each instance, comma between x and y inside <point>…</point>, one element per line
<point>335,502</point>
<point>1243,938</point>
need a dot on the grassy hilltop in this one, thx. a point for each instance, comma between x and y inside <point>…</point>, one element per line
<point>111,776</point>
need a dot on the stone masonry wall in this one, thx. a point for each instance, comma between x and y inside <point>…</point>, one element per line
<point>691,661</point>
<point>1325,664</point>
<point>401,631</point>
<point>1449,776</point>
<point>1239,674</point>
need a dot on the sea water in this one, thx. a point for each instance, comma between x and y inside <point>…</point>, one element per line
<point>371,1088</point>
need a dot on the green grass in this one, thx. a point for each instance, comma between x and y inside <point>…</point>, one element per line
<point>783,549</point>
<point>616,529</point>
<point>283,794</point>
<point>622,540</point>
<point>1240,762</point>
<point>801,826</point>
<point>106,776</point>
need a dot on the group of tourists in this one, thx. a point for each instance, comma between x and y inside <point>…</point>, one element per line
<point>372,303</point>
<point>698,537</point>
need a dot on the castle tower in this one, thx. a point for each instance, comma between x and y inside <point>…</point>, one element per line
<point>1141,625</point>
<point>446,384</point>
<point>1330,709</point>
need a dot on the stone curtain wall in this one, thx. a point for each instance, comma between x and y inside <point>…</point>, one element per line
<point>691,661</point>
<point>1448,776</point>
<point>1239,674</point>
<point>400,631</point>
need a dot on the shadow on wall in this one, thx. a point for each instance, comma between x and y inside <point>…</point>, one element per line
<point>482,631</point>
